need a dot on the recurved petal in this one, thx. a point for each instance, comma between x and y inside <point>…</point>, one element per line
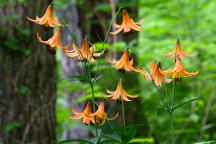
<point>99,53</point>
<point>77,116</point>
<point>71,54</point>
<point>131,61</point>
<point>65,47</point>
<point>111,92</point>
<point>110,61</point>
<point>135,27</point>
<point>117,31</point>
<point>141,71</point>
<point>116,25</point>
<point>167,80</point>
<point>152,66</point>
<point>40,40</point>
<point>168,72</point>
<point>33,20</point>
<point>132,96</point>
<point>186,74</point>
<point>75,112</point>
<point>185,53</point>
<point>139,22</point>
<point>124,97</point>
<point>113,117</point>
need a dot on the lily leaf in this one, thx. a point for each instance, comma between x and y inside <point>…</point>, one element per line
<point>97,78</point>
<point>149,140</point>
<point>206,142</point>
<point>75,140</point>
<point>184,103</point>
<point>160,110</point>
<point>79,77</point>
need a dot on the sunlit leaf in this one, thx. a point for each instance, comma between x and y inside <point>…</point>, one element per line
<point>148,140</point>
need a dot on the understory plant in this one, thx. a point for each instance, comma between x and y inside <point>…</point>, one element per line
<point>94,113</point>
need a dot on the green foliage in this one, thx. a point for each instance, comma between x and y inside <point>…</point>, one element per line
<point>11,126</point>
<point>23,90</point>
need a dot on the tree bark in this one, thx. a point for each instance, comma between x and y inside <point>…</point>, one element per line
<point>27,93</point>
<point>70,66</point>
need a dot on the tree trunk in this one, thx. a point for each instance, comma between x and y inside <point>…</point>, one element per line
<point>70,66</point>
<point>27,72</point>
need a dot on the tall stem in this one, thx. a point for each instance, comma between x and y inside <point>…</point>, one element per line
<point>122,105</point>
<point>174,93</point>
<point>172,128</point>
<point>171,112</point>
<point>94,106</point>
<point>123,114</point>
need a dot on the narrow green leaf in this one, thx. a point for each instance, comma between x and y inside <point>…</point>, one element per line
<point>149,140</point>
<point>207,142</point>
<point>97,78</point>
<point>184,103</point>
<point>75,140</point>
<point>79,77</point>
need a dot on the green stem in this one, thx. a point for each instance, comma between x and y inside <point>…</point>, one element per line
<point>174,94</point>
<point>172,128</point>
<point>123,109</point>
<point>171,112</point>
<point>94,106</point>
<point>123,114</point>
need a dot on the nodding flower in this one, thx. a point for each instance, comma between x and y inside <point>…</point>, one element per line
<point>178,71</point>
<point>178,52</point>
<point>54,41</point>
<point>155,74</point>
<point>120,93</point>
<point>47,19</point>
<point>85,114</point>
<point>86,52</point>
<point>100,116</point>
<point>127,24</point>
<point>124,63</point>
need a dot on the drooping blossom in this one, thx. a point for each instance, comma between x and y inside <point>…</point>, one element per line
<point>47,19</point>
<point>100,116</point>
<point>178,52</point>
<point>124,63</point>
<point>178,71</point>
<point>155,74</point>
<point>86,52</point>
<point>120,93</point>
<point>54,41</point>
<point>127,24</point>
<point>85,114</point>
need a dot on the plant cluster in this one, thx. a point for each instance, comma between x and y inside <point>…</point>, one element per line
<point>94,113</point>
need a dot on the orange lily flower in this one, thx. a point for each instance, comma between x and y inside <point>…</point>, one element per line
<point>124,63</point>
<point>54,41</point>
<point>100,116</point>
<point>47,19</point>
<point>84,53</point>
<point>127,24</point>
<point>155,74</point>
<point>85,114</point>
<point>178,52</point>
<point>120,93</point>
<point>178,71</point>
